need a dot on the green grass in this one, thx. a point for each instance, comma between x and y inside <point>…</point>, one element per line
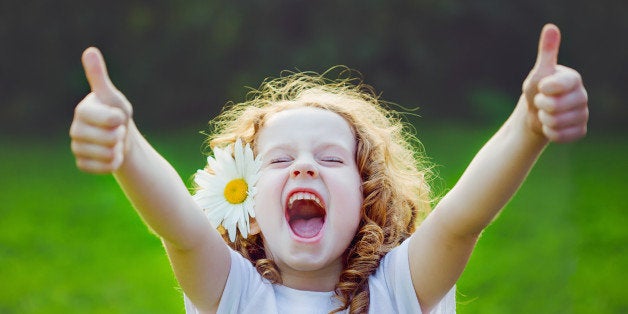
<point>560,244</point>
<point>71,243</point>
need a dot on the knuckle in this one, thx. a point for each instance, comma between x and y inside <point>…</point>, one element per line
<point>582,97</point>
<point>555,122</point>
<point>577,76</point>
<point>549,133</point>
<point>120,132</point>
<point>546,119</point>
<point>105,136</point>
<point>77,131</point>
<point>544,102</point>
<point>79,110</point>
<point>72,131</point>
<point>113,119</point>
<point>83,164</point>
<point>92,166</point>
<point>110,138</point>
<point>108,155</point>
<point>75,147</point>
<point>551,122</point>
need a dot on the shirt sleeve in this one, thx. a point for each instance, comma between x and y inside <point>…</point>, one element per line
<point>244,291</point>
<point>393,275</point>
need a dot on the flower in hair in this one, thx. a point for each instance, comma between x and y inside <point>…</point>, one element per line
<point>226,196</point>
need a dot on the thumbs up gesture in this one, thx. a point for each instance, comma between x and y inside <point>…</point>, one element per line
<point>555,95</point>
<point>101,120</point>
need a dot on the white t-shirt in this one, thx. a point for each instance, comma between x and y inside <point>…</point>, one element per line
<point>390,288</point>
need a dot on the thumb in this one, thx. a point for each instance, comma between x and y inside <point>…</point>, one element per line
<point>547,57</point>
<point>96,72</point>
<point>545,65</point>
<point>99,81</point>
<point>546,61</point>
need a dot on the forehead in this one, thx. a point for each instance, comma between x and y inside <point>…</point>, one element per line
<point>305,124</point>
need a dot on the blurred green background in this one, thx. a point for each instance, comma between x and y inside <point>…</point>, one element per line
<point>71,243</point>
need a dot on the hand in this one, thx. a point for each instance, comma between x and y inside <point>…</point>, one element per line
<point>556,97</point>
<point>101,120</point>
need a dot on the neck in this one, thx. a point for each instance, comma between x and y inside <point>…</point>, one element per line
<point>323,280</point>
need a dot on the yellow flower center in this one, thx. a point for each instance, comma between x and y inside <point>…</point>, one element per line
<point>236,191</point>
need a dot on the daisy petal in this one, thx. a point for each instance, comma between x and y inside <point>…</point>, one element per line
<point>234,162</point>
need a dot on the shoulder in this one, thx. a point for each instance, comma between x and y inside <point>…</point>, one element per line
<point>246,291</point>
<point>391,287</point>
<point>392,290</point>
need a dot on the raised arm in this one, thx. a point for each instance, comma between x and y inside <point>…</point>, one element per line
<point>552,107</point>
<point>106,140</point>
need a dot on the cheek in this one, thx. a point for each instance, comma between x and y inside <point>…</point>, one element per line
<point>358,200</point>
<point>347,220</point>
<point>355,207</point>
<point>351,203</point>
<point>263,216</point>
<point>267,198</point>
<point>262,202</point>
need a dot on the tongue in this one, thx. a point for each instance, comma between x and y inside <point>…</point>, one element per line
<point>307,228</point>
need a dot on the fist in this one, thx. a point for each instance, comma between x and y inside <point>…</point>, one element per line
<point>101,120</point>
<point>556,97</point>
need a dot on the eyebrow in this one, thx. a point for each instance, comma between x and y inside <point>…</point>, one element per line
<point>334,145</point>
<point>317,146</point>
<point>280,147</point>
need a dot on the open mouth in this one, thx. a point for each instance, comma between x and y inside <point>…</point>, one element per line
<point>305,214</point>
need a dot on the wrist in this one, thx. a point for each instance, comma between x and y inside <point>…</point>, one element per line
<point>526,125</point>
<point>132,142</point>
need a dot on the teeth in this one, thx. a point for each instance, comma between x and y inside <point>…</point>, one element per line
<point>304,196</point>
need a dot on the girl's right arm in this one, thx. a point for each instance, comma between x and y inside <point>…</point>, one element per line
<point>106,140</point>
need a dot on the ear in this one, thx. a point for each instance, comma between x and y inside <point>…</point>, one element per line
<point>254,227</point>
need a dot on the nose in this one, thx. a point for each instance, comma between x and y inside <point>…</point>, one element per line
<point>302,169</point>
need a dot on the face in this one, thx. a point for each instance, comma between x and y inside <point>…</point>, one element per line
<point>309,193</point>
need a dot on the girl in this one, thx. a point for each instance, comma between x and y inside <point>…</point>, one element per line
<point>340,217</point>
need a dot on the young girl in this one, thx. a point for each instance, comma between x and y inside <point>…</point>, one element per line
<point>318,193</point>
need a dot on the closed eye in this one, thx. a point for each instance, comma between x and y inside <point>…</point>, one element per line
<point>280,160</point>
<point>333,159</point>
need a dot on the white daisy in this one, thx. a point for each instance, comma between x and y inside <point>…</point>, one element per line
<point>227,195</point>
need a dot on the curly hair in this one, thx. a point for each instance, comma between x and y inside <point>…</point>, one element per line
<point>391,162</point>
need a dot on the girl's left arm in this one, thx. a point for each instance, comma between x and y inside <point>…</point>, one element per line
<point>553,107</point>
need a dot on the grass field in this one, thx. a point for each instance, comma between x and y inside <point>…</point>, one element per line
<point>71,243</point>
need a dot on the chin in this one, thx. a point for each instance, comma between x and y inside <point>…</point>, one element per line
<point>312,262</point>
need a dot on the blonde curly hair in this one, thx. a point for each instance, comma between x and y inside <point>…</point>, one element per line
<point>391,162</point>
